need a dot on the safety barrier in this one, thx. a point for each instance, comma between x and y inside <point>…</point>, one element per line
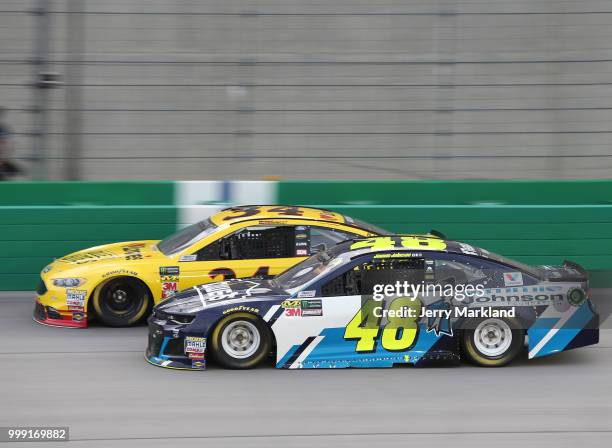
<point>539,222</point>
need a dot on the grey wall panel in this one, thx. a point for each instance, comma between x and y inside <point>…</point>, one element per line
<point>349,89</point>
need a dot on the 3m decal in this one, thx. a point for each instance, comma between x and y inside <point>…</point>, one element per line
<point>302,308</point>
<point>169,286</point>
<point>398,334</point>
<point>293,308</point>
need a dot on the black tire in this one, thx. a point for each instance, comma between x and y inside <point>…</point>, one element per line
<point>474,341</point>
<point>241,324</point>
<point>121,302</point>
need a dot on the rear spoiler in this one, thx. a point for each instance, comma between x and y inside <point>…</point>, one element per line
<point>575,266</point>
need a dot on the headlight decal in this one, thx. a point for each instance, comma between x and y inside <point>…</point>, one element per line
<point>70,282</point>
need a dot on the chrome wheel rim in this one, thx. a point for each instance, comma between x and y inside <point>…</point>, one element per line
<point>493,337</point>
<point>240,339</point>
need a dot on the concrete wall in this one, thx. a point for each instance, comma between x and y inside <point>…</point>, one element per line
<point>313,89</point>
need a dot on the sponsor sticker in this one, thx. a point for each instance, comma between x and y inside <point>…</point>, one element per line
<point>192,257</point>
<point>237,309</point>
<point>301,252</point>
<point>513,279</point>
<point>429,270</point>
<point>75,298</point>
<point>169,277</point>
<point>119,272</point>
<point>293,308</point>
<point>78,317</point>
<point>169,287</point>
<point>302,308</point>
<point>195,347</point>
<point>222,291</point>
<point>133,251</point>
<point>307,294</point>
<point>169,270</point>
<point>90,256</point>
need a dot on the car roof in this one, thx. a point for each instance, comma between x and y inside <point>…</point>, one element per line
<point>419,242</point>
<point>412,242</point>
<point>232,215</point>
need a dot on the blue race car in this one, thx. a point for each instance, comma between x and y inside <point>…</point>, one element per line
<point>377,302</point>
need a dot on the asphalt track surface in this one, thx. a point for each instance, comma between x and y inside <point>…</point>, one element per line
<point>96,382</point>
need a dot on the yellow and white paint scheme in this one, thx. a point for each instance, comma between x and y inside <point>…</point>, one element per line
<point>75,286</point>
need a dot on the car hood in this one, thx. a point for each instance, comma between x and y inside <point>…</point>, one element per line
<point>216,294</point>
<point>115,252</point>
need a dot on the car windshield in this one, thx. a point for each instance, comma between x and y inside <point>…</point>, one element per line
<point>186,237</point>
<point>308,270</point>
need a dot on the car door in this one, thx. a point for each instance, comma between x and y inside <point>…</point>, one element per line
<point>254,250</point>
<point>345,332</point>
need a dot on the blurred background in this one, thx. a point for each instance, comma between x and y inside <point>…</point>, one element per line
<point>248,89</point>
<point>488,120</point>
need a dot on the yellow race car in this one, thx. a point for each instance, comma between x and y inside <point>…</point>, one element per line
<point>119,283</point>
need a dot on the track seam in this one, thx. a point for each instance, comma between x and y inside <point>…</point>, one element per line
<point>378,434</point>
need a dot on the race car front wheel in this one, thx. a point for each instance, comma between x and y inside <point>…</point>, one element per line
<point>492,342</point>
<point>121,302</point>
<point>241,341</point>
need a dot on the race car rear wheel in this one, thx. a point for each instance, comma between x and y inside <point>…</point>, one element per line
<point>121,302</point>
<point>492,342</point>
<point>241,341</point>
